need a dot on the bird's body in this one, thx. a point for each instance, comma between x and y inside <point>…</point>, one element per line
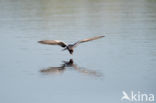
<point>69,47</point>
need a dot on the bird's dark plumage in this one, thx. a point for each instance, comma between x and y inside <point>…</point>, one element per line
<point>69,47</point>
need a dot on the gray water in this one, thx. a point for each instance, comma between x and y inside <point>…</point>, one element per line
<point>124,60</point>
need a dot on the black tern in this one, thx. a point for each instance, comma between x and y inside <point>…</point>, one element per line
<point>69,47</point>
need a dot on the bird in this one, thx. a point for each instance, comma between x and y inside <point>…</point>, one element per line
<point>69,47</point>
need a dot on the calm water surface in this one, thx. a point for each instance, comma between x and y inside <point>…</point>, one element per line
<point>124,60</point>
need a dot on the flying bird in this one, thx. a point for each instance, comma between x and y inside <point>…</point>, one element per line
<point>69,47</point>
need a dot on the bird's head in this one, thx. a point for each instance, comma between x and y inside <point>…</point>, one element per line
<point>71,51</point>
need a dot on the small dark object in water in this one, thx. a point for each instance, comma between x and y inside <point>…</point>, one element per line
<point>69,47</point>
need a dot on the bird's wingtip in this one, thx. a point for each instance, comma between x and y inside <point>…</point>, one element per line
<point>40,41</point>
<point>100,36</point>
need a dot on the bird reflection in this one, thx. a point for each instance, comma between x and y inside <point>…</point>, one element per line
<point>70,64</point>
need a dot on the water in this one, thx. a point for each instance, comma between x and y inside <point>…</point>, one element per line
<point>124,60</point>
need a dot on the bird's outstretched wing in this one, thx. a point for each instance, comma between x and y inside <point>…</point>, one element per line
<point>86,40</point>
<point>53,42</point>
